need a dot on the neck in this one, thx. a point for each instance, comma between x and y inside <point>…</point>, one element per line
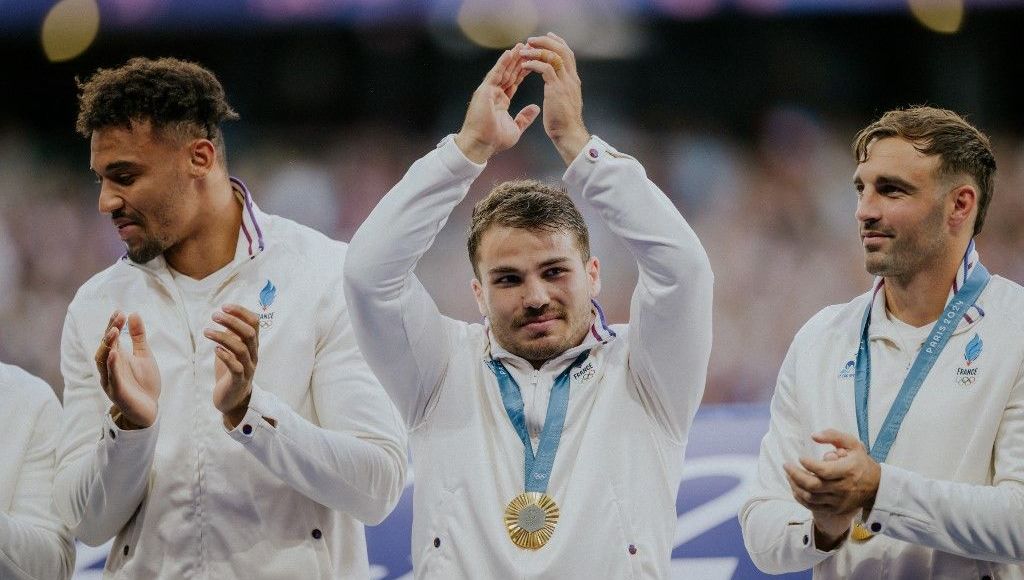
<point>919,298</point>
<point>212,245</point>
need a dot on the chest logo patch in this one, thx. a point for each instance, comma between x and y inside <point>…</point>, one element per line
<point>267,296</point>
<point>848,370</point>
<point>967,374</point>
<point>584,374</point>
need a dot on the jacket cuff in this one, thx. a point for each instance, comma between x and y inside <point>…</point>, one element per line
<point>455,160</point>
<point>887,499</point>
<point>262,417</point>
<point>112,435</point>
<point>593,155</point>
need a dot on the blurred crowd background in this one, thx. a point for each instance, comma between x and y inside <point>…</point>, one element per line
<point>741,110</point>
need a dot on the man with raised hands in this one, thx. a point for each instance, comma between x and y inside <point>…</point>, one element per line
<point>896,445</point>
<point>546,443</point>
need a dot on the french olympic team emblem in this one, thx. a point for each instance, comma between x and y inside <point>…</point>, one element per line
<point>848,370</point>
<point>267,296</point>
<point>967,375</point>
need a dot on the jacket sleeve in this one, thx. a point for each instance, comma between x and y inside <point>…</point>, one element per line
<point>354,460</point>
<point>34,543</point>
<point>778,532</point>
<point>102,471</point>
<point>984,522</point>
<point>670,311</point>
<point>405,339</point>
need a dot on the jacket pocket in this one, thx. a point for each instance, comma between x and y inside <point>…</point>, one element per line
<point>435,551</point>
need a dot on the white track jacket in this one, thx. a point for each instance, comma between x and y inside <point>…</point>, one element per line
<point>273,499</point>
<point>618,467</point>
<point>34,543</point>
<point>950,504</point>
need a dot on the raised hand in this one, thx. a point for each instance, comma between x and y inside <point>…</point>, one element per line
<point>236,355</point>
<point>552,58</point>
<point>489,128</point>
<point>130,380</point>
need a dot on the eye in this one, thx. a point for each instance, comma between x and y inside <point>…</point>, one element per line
<point>554,272</point>
<point>889,189</point>
<point>124,178</point>
<point>505,280</point>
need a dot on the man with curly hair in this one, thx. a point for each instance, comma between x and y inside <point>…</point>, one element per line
<point>262,443</point>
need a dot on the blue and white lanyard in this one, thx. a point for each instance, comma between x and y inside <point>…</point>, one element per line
<point>939,335</point>
<point>539,465</point>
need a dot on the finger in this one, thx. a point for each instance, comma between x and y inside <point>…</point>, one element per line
<point>248,316</point>
<point>836,438</point>
<point>103,351</point>
<point>558,46</point>
<point>802,479</point>
<point>830,456</point>
<point>231,342</point>
<point>494,75</point>
<point>248,333</point>
<point>544,55</point>
<point>545,70</point>
<point>230,360</point>
<point>117,319</point>
<point>509,73</point>
<point>137,330</point>
<point>113,386</point>
<point>527,116</point>
<point>824,470</point>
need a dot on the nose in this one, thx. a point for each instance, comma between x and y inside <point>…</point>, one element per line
<point>868,209</point>
<point>109,200</point>
<point>535,293</point>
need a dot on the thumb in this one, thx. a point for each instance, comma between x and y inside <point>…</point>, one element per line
<point>527,116</point>
<point>836,438</point>
<point>137,330</point>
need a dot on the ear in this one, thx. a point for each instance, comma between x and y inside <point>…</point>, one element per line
<point>963,202</point>
<point>594,276</point>
<point>202,157</point>
<point>478,293</point>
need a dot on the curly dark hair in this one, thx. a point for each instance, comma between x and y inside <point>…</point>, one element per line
<point>526,204</point>
<point>961,147</point>
<point>172,94</point>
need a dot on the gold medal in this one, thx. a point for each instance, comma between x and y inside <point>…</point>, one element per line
<point>530,519</point>
<point>860,533</point>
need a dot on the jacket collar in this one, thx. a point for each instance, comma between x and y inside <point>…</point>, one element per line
<point>251,241</point>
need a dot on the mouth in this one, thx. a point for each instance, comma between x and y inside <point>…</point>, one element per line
<point>126,227</point>
<point>541,324</point>
<point>873,239</point>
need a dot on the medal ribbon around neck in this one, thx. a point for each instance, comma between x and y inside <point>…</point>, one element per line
<point>530,517</point>
<point>938,336</point>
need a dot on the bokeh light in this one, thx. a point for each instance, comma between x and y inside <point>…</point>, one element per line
<point>943,16</point>
<point>497,24</point>
<point>69,29</point>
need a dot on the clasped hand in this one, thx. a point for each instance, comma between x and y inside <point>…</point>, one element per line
<point>836,487</point>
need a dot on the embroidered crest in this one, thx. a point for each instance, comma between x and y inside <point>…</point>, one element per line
<point>967,375</point>
<point>267,296</point>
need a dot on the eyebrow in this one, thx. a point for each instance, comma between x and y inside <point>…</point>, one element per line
<point>889,180</point>
<point>544,264</point>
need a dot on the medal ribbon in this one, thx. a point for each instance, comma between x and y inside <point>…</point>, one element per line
<point>939,335</point>
<point>539,465</point>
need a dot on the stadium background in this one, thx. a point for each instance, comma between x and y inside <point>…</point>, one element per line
<point>742,110</point>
